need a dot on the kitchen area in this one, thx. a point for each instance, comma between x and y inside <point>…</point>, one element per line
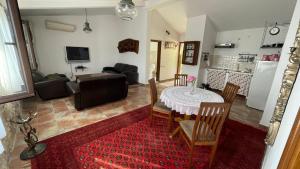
<point>248,58</point>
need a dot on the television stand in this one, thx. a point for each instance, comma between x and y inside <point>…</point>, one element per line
<point>82,68</point>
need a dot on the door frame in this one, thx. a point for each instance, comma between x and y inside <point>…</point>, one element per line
<point>158,58</point>
<point>179,61</point>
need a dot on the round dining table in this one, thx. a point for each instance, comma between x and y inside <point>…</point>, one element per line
<point>186,100</point>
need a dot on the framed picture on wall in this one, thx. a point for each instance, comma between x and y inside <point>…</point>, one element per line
<point>190,52</point>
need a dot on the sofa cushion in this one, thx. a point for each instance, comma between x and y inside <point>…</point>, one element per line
<point>54,76</point>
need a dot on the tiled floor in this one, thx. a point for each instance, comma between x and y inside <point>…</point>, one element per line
<point>59,116</point>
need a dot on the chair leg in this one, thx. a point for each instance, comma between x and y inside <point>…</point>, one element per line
<point>182,141</point>
<point>170,121</point>
<point>212,154</point>
<point>151,117</point>
<point>191,156</point>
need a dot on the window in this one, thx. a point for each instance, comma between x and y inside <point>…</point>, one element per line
<point>15,74</point>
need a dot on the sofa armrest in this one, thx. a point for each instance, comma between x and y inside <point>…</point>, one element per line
<point>52,88</point>
<point>132,77</point>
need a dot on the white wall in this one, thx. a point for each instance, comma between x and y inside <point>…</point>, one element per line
<point>199,28</point>
<point>138,30</point>
<point>169,57</point>
<point>248,41</point>
<point>108,30</point>
<point>194,32</point>
<point>274,152</point>
<point>50,44</point>
<point>208,44</point>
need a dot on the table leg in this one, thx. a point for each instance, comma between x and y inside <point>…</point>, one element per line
<point>175,132</point>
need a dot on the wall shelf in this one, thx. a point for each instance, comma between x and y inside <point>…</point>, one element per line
<point>270,47</point>
<point>225,45</point>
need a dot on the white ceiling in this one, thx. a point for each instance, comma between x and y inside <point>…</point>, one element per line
<point>63,4</point>
<point>175,14</point>
<point>225,14</point>
<point>49,12</point>
<point>228,14</point>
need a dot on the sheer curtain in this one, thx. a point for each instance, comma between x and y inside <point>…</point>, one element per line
<point>2,135</point>
<point>11,81</point>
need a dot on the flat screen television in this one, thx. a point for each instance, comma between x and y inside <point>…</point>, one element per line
<point>77,54</point>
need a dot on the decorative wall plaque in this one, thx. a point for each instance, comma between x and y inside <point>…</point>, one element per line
<point>128,45</point>
<point>289,78</point>
<point>170,45</point>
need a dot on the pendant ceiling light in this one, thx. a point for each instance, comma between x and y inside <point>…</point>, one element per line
<point>126,10</point>
<point>86,28</point>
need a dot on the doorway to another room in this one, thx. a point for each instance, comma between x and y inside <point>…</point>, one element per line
<point>180,54</point>
<point>155,54</point>
<point>165,61</point>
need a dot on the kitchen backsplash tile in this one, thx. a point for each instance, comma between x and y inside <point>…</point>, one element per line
<point>232,63</point>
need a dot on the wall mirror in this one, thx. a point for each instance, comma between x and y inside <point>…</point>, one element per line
<point>289,78</point>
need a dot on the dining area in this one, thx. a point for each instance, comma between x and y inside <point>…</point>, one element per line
<point>193,114</point>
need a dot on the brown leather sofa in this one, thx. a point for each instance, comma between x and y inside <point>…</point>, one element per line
<point>131,72</point>
<point>98,90</point>
<point>51,86</point>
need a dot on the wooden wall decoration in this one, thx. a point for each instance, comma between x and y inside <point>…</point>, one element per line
<point>289,78</point>
<point>171,45</point>
<point>128,45</point>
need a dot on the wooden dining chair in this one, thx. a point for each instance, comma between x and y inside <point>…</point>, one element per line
<point>230,91</point>
<point>180,80</point>
<point>206,129</point>
<point>158,109</point>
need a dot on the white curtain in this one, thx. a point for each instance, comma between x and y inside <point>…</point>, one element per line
<point>2,135</point>
<point>11,81</point>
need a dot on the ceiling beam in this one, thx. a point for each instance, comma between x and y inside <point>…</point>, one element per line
<point>69,4</point>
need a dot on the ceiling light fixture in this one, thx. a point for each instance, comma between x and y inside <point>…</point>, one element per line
<point>126,10</point>
<point>86,28</point>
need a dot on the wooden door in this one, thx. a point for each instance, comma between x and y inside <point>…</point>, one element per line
<point>290,158</point>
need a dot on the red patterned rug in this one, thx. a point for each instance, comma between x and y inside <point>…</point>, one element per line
<point>128,141</point>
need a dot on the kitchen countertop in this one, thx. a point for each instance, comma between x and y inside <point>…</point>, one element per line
<point>231,70</point>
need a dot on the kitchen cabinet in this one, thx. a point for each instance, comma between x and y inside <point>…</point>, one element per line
<point>217,79</point>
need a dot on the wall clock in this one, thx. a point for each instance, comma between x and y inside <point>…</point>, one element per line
<point>274,30</point>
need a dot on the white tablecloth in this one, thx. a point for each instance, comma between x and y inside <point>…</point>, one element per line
<point>180,99</point>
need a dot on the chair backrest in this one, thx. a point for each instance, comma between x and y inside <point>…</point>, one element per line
<point>153,91</point>
<point>209,121</point>
<point>180,80</point>
<point>230,91</point>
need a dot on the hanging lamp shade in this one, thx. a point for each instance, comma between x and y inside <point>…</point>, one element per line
<point>126,10</point>
<point>87,28</point>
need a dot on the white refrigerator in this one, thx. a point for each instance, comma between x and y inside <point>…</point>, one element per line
<point>261,83</point>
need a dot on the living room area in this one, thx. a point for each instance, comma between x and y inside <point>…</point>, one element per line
<point>85,92</point>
